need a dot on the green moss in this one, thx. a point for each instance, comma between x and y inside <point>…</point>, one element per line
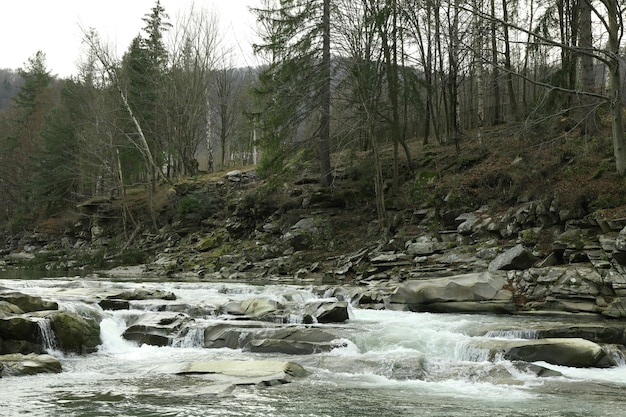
<point>212,241</point>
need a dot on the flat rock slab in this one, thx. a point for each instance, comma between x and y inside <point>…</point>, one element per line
<point>18,364</point>
<point>573,352</point>
<point>243,368</point>
<point>231,373</point>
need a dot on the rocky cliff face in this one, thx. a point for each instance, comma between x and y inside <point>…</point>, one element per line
<point>551,257</point>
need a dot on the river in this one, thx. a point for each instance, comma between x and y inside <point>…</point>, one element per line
<point>390,364</point>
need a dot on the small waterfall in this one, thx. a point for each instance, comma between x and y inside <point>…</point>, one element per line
<point>48,339</point>
<point>471,353</point>
<point>512,334</point>
<point>615,353</point>
<point>194,338</point>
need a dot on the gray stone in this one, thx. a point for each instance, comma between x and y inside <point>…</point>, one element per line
<point>517,257</point>
<point>482,286</point>
<point>579,353</point>
<point>155,328</point>
<point>28,303</point>
<point>74,333</point>
<point>18,364</point>
<point>328,312</point>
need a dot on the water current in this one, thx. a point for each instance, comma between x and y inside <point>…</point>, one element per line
<point>391,364</point>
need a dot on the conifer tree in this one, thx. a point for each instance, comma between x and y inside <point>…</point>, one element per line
<point>296,84</point>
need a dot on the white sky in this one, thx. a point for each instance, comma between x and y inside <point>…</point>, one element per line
<point>54,27</point>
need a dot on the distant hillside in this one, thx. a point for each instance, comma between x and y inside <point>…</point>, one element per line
<point>10,83</point>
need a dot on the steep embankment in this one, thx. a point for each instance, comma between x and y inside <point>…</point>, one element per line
<point>504,203</point>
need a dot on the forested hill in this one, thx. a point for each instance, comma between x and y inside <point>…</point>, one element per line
<point>446,103</point>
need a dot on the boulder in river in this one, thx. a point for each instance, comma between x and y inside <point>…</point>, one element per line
<point>470,289</point>
<point>28,303</point>
<point>155,328</point>
<point>74,333</point>
<point>18,364</point>
<point>245,372</point>
<point>573,352</point>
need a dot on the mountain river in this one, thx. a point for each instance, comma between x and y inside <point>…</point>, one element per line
<point>373,373</point>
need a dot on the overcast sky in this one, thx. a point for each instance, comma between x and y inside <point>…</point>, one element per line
<point>54,27</point>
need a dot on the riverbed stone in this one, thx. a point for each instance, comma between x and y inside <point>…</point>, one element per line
<point>245,372</point>
<point>74,333</point>
<point>18,364</point>
<point>328,312</point>
<point>7,308</point>
<point>472,287</point>
<point>518,257</point>
<point>573,352</point>
<point>155,328</point>
<point>28,303</point>
<point>260,307</point>
<point>144,294</point>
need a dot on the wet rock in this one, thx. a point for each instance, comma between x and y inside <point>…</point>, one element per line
<point>540,371</point>
<point>18,364</point>
<point>112,304</point>
<point>598,333</point>
<point>144,294</point>
<point>155,328</point>
<point>7,308</point>
<point>28,303</point>
<point>230,335</point>
<point>287,347</point>
<point>251,372</point>
<point>328,312</point>
<point>472,287</point>
<point>517,257</point>
<point>19,328</point>
<point>75,333</point>
<point>259,307</point>
<point>578,353</point>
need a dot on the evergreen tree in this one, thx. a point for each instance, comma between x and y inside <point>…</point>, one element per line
<point>296,83</point>
<point>145,66</point>
<point>55,167</point>
<point>30,106</point>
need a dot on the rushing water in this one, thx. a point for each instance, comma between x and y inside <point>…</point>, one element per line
<point>391,364</point>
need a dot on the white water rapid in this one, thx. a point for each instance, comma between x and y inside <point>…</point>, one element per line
<point>387,363</point>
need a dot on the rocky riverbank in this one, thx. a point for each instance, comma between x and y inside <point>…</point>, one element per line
<point>544,255</point>
<point>536,258</point>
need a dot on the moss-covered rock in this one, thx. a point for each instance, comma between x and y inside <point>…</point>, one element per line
<point>75,333</point>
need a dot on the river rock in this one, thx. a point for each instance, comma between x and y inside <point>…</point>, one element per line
<point>155,328</point>
<point>287,347</point>
<point>252,372</point>
<point>517,257</point>
<point>605,333</point>
<point>18,364</point>
<point>74,333</point>
<point>7,308</point>
<point>143,294</point>
<point>19,334</point>
<point>474,287</point>
<point>574,352</point>
<point>28,303</point>
<point>260,307</point>
<point>328,312</point>
<point>18,327</point>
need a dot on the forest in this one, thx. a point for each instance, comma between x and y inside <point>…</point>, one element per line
<point>337,76</point>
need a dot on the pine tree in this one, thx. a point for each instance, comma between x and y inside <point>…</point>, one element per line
<point>296,83</point>
<point>30,106</point>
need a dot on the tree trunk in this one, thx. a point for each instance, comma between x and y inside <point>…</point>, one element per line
<point>495,79</point>
<point>507,64</point>
<point>619,141</point>
<point>324,141</point>
<point>587,78</point>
